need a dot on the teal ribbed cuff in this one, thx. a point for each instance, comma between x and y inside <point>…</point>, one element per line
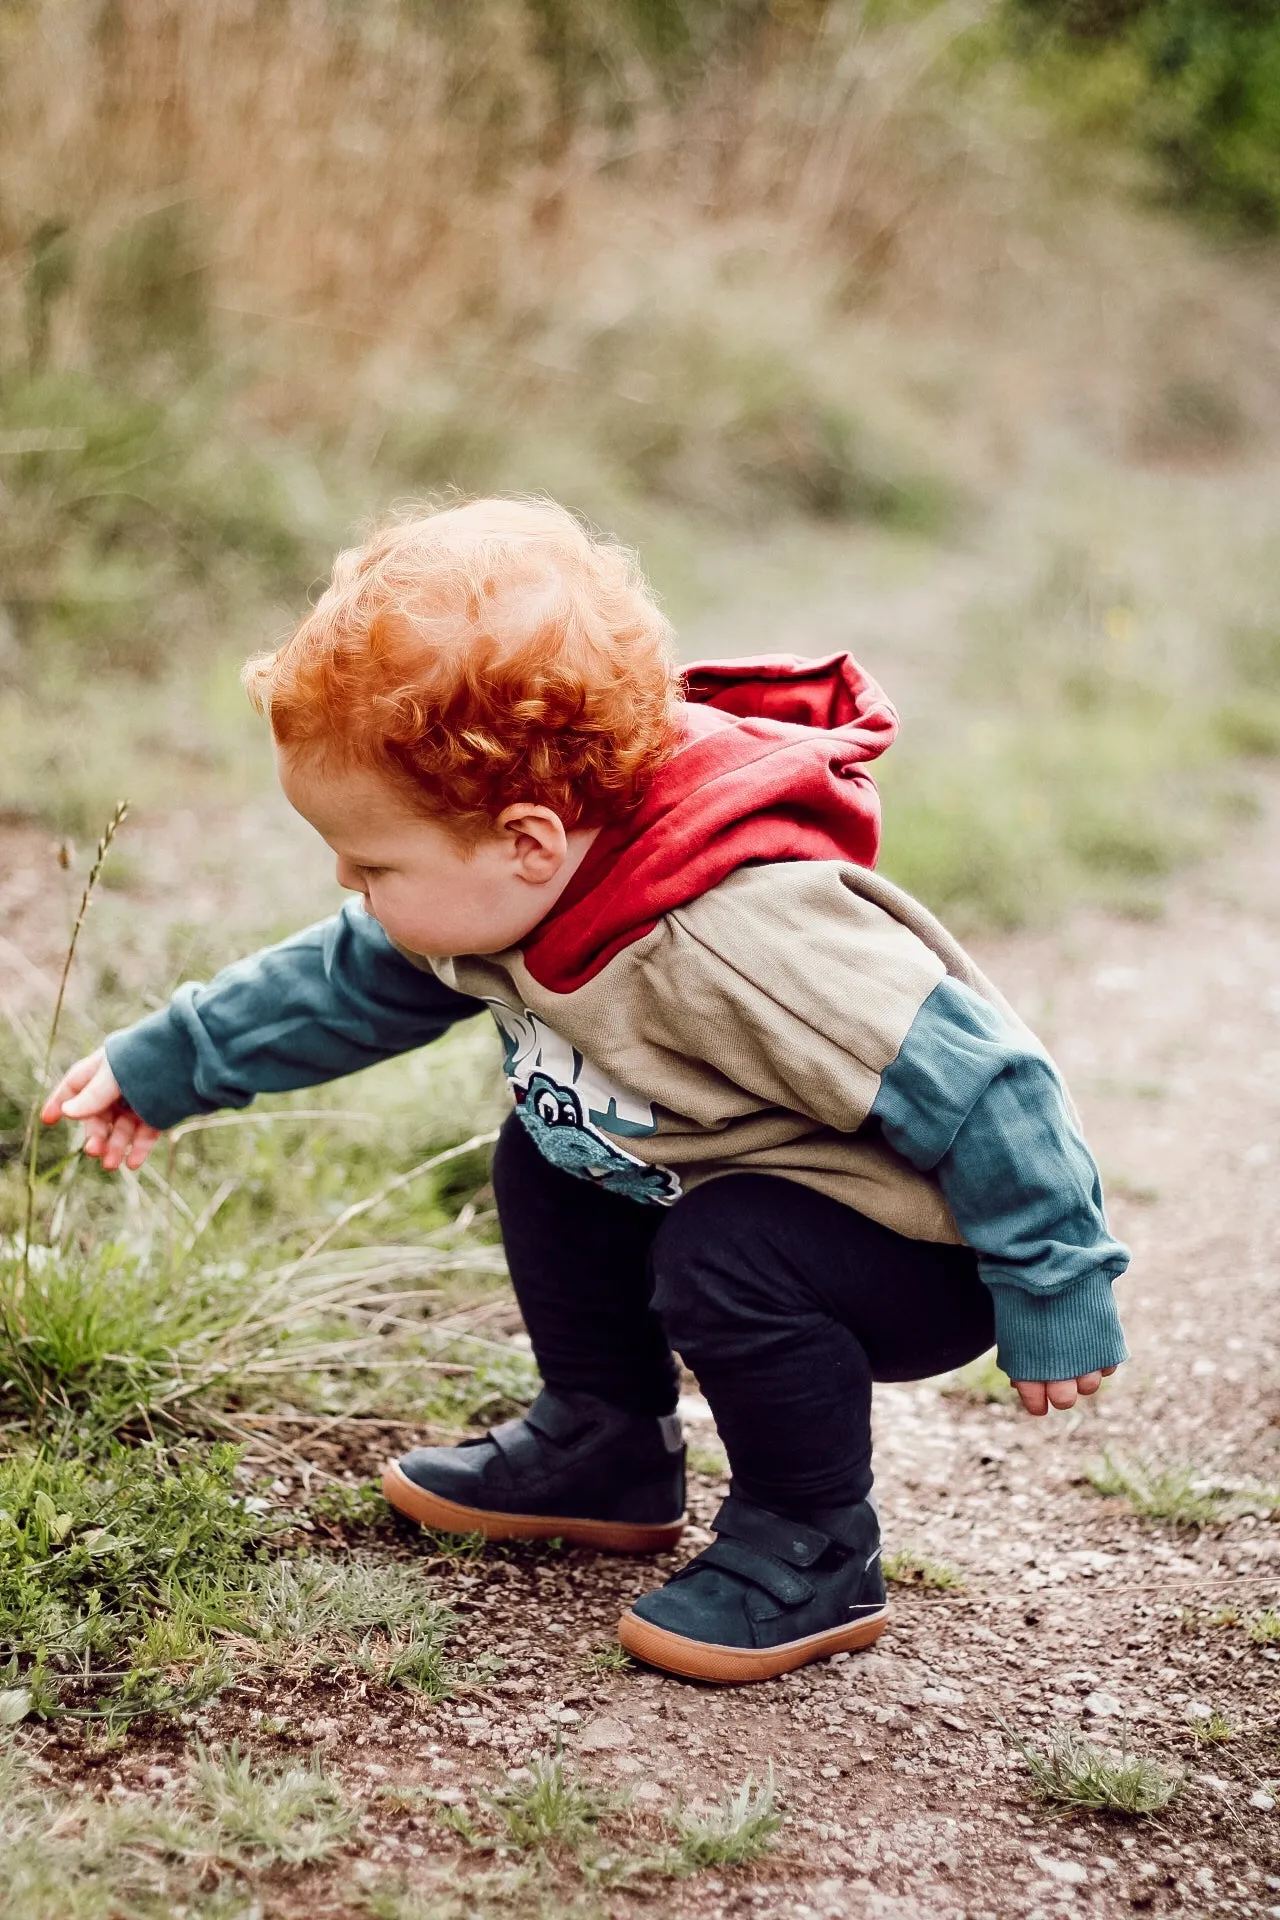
<point>1058,1336</point>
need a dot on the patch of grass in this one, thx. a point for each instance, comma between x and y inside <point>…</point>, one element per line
<point>138,1556</point>
<point>1075,1775</point>
<point>1210,1728</point>
<point>106,1336</point>
<point>908,1567</point>
<point>608,1659</point>
<point>1263,1627</point>
<point>66,1857</point>
<point>130,512</point>
<point>273,1814</point>
<point>377,1617</point>
<point>740,1830</point>
<point>548,1811</point>
<point>1177,1493</point>
<point>493,1383</point>
<point>981,1383</point>
<point>361,1509</point>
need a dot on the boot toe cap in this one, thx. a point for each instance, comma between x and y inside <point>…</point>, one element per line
<point>443,1470</point>
<point>707,1607</point>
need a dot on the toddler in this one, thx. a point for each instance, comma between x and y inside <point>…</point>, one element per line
<point>766,1111</point>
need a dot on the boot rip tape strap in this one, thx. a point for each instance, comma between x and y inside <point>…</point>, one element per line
<point>780,1582</point>
<point>788,1540</point>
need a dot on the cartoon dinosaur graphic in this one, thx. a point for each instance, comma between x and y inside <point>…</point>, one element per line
<point>553,1116</point>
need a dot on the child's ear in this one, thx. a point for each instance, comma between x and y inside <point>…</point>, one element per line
<point>537,840</point>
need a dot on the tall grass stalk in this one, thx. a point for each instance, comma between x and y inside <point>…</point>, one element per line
<point>32,1141</point>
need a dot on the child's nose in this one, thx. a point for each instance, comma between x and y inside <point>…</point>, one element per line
<point>348,876</point>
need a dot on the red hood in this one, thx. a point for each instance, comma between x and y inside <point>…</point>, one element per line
<point>771,768</point>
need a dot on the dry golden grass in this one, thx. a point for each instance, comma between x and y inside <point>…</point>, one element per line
<point>349,199</point>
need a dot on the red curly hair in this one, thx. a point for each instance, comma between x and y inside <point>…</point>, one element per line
<point>480,655</point>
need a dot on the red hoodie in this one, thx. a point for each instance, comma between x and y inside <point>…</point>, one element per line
<point>772,767</point>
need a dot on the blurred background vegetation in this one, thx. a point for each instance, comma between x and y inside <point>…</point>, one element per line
<point>939,329</point>
<point>872,321</point>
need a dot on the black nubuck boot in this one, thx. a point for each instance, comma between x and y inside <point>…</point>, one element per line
<point>768,1595</point>
<point>574,1468</point>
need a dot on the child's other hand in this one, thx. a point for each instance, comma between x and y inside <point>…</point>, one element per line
<point>1037,1396</point>
<point>89,1092</point>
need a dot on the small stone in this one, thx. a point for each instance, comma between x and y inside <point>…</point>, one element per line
<point>604,1735</point>
<point>954,1721</point>
<point>833,1773</point>
<point>1102,1704</point>
<point>318,1731</point>
<point>567,1716</point>
<point>941,1696</point>
<point>1069,1872</point>
<point>1264,1801</point>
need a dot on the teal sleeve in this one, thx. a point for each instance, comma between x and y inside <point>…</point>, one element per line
<point>326,1002</point>
<point>978,1103</point>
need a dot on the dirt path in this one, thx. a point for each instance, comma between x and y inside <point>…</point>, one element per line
<point>904,1794</point>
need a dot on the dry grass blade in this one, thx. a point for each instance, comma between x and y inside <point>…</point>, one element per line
<point>11,1297</point>
<point>285,1277</point>
<point>31,1143</point>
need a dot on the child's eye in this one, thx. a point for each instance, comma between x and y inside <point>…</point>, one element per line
<point>372,873</point>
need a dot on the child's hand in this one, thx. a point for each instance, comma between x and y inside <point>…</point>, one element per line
<point>90,1092</point>
<point>1037,1396</point>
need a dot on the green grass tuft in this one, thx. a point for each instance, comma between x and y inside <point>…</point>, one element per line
<point>608,1659</point>
<point>274,1814</point>
<point>139,1555</point>
<point>908,1567</point>
<point>742,1829</point>
<point>548,1811</point>
<point>1177,1493</point>
<point>708,1458</point>
<point>1077,1775</point>
<point>228,1820</point>
<point>1210,1728</point>
<point>1263,1628</point>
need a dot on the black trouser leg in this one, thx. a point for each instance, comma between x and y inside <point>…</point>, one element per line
<point>579,1262</point>
<point>787,1305</point>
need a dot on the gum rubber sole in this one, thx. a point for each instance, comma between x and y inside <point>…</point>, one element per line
<point>447,1516</point>
<point>732,1666</point>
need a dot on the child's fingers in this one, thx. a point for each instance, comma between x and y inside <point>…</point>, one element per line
<point>120,1139</point>
<point>1089,1382</point>
<point>1062,1394</point>
<point>144,1139</point>
<point>97,1131</point>
<point>77,1076</point>
<point>101,1092</point>
<point>1032,1395</point>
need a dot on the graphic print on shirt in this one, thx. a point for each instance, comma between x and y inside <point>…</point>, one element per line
<point>566,1105</point>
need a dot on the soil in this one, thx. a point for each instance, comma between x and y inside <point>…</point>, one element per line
<point>899,1769</point>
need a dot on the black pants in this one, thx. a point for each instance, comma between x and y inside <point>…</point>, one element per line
<point>786,1305</point>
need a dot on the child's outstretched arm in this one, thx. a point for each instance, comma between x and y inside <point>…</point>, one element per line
<point>326,1002</point>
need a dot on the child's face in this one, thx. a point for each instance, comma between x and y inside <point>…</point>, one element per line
<point>431,894</point>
